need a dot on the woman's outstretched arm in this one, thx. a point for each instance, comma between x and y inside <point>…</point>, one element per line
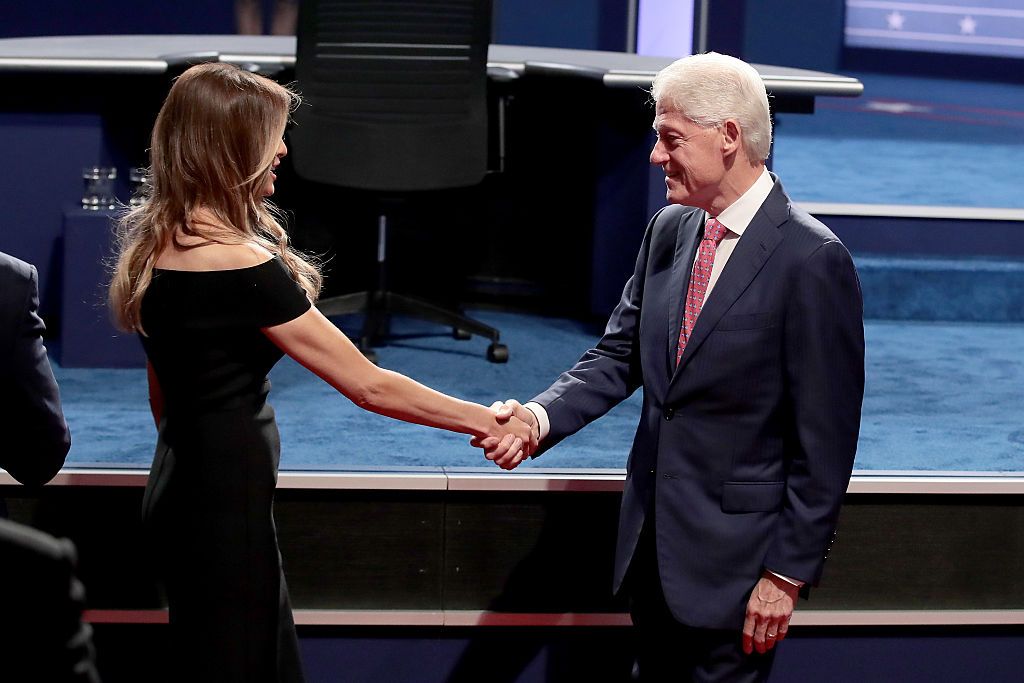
<point>312,340</point>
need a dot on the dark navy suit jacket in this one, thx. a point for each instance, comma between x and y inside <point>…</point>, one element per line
<point>744,451</point>
<point>35,435</point>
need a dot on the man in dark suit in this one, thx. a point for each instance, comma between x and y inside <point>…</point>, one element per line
<point>743,323</point>
<point>35,436</point>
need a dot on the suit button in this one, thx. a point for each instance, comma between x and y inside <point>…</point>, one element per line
<point>669,413</point>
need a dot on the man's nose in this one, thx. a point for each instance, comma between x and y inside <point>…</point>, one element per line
<point>657,154</point>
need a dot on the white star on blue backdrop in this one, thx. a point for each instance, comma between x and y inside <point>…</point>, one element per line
<point>980,27</point>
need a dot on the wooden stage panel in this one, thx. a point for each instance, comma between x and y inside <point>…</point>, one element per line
<point>531,552</point>
<point>362,550</point>
<point>926,552</point>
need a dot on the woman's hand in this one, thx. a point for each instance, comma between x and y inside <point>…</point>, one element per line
<point>511,441</point>
<point>506,452</point>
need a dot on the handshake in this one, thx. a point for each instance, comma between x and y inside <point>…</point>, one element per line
<point>514,436</point>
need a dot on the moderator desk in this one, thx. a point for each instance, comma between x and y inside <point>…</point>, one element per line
<point>159,53</point>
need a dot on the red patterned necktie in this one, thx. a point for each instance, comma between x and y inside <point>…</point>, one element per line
<point>713,234</point>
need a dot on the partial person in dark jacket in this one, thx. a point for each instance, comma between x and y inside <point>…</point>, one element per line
<point>42,635</point>
<point>35,436</point>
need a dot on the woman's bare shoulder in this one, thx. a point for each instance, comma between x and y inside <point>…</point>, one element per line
<point>202,255</point>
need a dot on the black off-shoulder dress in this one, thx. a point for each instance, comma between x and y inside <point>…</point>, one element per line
<point>207,507</point>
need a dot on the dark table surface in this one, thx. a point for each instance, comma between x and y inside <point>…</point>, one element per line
<point>158,53</point>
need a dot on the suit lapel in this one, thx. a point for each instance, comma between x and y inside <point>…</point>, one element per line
<point>752,251</point>
<point>688,236</point>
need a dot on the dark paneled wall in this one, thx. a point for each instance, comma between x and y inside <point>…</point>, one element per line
<point>806,34</point>
<point>585,24</point>
<point>75,17</point>
<point>580,24</point>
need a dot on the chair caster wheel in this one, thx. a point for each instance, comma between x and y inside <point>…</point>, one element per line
<point>460,334</point>
<point>497,353</point>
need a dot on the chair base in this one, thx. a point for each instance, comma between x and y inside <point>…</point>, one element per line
<point>380,305</point>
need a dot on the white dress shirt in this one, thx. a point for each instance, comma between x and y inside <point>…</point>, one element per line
<point>736,217</point>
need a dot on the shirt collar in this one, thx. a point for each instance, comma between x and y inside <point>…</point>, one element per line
<point>737,216</point>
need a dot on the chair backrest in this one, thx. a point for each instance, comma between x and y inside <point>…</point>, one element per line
<point>395,93</point>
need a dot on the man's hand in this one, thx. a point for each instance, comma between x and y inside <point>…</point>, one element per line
<point>503,452</point>
<point>768,613</point>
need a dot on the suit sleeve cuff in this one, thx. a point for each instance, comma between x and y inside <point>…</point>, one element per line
<point>543,423</point>
<point>796,582</point>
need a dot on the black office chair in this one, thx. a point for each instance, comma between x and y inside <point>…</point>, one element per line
<point>395,102</point>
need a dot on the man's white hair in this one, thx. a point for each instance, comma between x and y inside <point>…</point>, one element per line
<point>710,88</point>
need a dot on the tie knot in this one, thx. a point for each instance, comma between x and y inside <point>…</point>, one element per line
<point>714,231</point>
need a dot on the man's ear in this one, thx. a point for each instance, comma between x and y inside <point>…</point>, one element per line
<point>732,136</point>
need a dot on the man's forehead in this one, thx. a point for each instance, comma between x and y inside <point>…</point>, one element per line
<point>662,107</point>
<point>667,116</point>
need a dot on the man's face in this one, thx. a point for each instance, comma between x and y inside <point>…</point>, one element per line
<point>691,157</point>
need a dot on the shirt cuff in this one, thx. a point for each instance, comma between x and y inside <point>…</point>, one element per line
<point>796,582</point>
<point>543,423</point>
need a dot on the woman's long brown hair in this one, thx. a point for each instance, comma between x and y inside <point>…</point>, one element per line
<point>212,147</point>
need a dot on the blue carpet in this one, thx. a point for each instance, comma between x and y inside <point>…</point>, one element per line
<point>940,396</point>
<point>908,141</point>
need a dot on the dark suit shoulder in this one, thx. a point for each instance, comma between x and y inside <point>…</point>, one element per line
<point>15,270</point>
<point>811,225</point>
<point>669,218</point>
<point>42,632</point>
<point>31,542</point>
<point>36,561</point>
<point>804,235</point>
<point>795,222</point>
<point>17,287</point>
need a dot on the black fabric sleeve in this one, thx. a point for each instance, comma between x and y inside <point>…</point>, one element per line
<point>276,298</point>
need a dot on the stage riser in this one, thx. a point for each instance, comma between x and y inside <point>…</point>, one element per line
<point>911,267</point>
<point>809,655</point>
<point>896,235</point>
<point>541,552</point>
<point>930,268</point>
<point>934,289</point>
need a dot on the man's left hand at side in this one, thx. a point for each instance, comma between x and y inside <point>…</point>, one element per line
<point>769,610</point>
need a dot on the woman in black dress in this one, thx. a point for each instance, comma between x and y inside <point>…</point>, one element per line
<point>207,278</point>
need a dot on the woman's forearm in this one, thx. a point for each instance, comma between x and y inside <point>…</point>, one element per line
<point>395,395</point>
